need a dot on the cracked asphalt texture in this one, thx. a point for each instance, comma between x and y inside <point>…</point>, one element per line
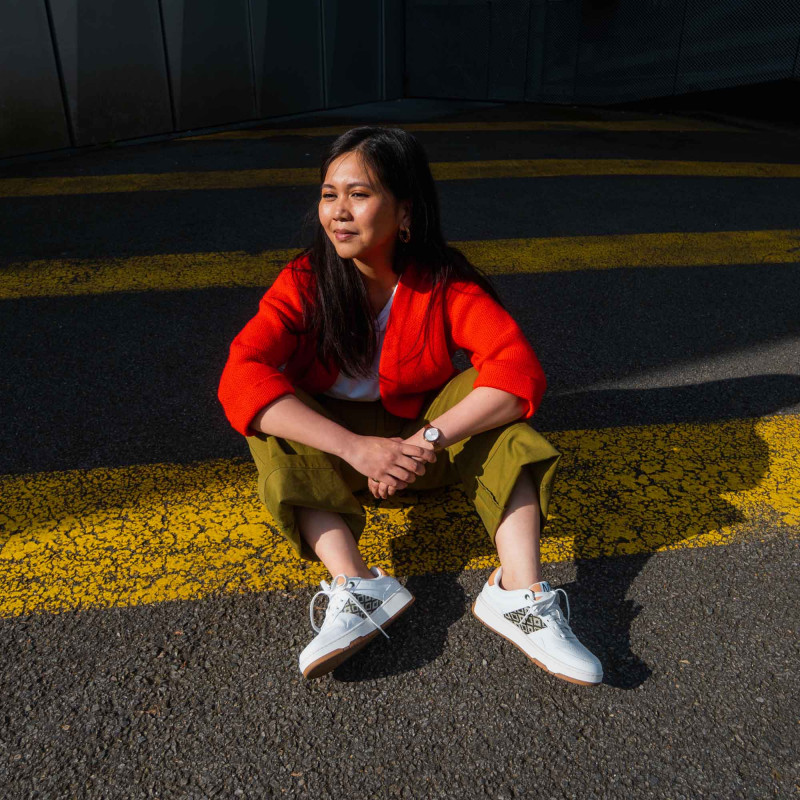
<point>204,699</point>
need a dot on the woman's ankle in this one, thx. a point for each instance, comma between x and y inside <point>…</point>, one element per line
<point>353,572</point>
<point>511,582</point>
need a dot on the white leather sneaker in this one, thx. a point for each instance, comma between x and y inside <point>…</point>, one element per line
<point>358,609</point>
<point>538,628</point>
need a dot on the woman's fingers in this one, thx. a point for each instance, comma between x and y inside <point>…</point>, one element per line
<point>413,465</point>
<point>420,453</point>
<point>387,488</point>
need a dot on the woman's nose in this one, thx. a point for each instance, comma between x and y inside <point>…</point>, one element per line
<point>340,208</point>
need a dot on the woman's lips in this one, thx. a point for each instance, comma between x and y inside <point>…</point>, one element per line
<point>342,236</point>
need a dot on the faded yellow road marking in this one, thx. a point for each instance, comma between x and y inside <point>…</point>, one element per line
<point>146,534</point>
<point>442,171</point>
<point>177,271</point>
<point>620,125</point>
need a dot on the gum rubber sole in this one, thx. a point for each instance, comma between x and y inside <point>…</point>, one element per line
<point>531,658</point>
<point>328,662</point>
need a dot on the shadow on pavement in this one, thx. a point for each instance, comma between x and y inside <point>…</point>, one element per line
<point>620,491</point>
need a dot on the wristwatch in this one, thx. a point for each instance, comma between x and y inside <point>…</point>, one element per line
<point>431,434</point>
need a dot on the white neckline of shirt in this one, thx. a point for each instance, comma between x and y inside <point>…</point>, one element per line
<point>384,312</point>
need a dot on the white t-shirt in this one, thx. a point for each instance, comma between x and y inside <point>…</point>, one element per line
<point>347,388</point>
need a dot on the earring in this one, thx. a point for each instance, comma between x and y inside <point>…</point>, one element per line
<point>405,235</point>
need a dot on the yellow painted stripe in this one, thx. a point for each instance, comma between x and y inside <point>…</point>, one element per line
<point>442,171</point>
<point>619,125</point>
<point>498,256</point>
<point>147,534</point>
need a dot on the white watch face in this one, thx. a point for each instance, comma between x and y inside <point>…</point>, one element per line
<point>431,434</point>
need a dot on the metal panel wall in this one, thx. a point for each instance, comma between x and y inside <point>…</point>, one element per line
<point>287,53</point>
<point>394,51</point>
<point>596,51</point>
<point>738,41</point>
<point>447,48</point>
<point>112,57</point>
<point>508,49</point>
<point>628,50</point>
<point>797,59</point>
<point>129,68</point>
<point>32,117</point>
<point>535,56</point>
<point>210,63</point>
<point>560,54</point>
<point>352,51</point>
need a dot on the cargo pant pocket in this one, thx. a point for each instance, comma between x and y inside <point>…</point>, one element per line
<point>307,482</point>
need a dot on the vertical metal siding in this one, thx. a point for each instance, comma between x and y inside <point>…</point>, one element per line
<point>447,48</point>
<point>92,71</point>
<point>208,46</point>
<point>352,52</point>
<point>32,117</point>
<point>508,49</point>
<point>112,57</point>
<point>394,37</point>
<point>288,56</point>
<point>628,50</point>
<point>560,52</point>
<point>737,42</point>
<point>537,27</point>
<point>797,58</point>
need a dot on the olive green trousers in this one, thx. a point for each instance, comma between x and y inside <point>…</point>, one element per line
<point>486,465</point>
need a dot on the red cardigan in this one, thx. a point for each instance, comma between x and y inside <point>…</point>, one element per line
<point>411,365</point>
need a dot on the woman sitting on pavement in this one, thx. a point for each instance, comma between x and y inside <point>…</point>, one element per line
<point>344,380</point>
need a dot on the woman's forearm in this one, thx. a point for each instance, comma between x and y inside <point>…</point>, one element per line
<point>289,418</point>
<point>481,410</point>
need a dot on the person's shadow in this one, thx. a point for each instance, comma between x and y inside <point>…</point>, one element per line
<point>619,491</point>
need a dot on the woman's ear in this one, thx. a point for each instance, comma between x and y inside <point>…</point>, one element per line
<point>407,213</point>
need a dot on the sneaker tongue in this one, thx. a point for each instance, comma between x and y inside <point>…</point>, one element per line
<point>544,587</point>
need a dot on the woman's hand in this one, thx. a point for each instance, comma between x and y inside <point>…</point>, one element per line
<point>389,464</point>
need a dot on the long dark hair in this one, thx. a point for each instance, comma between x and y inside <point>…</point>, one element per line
<point>338,311</point>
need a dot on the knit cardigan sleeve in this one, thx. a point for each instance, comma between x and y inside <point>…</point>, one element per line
<point>495,343</point>
<point>252,377</point>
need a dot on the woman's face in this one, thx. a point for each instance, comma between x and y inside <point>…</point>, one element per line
<point>351,199</point>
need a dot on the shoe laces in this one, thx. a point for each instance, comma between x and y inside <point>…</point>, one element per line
<point>548,609</point>
<point>338,594</point>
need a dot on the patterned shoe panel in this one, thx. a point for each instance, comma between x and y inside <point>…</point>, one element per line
<point>356,612</point>
<point>539,628</point>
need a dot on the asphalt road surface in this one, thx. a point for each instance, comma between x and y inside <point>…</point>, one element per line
<point>149,629</point>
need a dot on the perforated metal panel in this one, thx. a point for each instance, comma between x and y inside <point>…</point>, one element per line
<point>534,61</point>
<point>628,49</point>
<point>738,41</point>
<point>112,55</point>
<point>596,51</point>
<point>560,53</point>
<point>287,52</point>
<point>447,48</point>
<point>508,49</point>
<point>219,61</point>
<point>32,115</point>
<point>797,59</point>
